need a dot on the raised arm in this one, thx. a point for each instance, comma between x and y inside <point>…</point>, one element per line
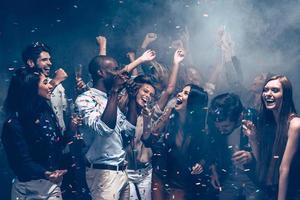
<point>149,38</point>
<point>101,41</point>
<point>177,59</point>
<point>147,56</point>
<point>288,156</point>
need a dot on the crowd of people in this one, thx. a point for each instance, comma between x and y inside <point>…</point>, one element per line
<point>148,131</point>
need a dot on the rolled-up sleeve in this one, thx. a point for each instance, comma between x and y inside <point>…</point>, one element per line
<point>127,128</point>
<point>91,112</point>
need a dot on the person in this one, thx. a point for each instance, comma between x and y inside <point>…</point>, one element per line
<point>179,148</point>
<point>234,163</point>
<point>102,129</point>
<point>38,55</point>
<point>275,140</point>
<point>32,137</point>
<point>137,155</point>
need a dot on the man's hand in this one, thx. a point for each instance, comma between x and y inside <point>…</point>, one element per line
<point>120,79</point>
<point>80,84</point>
<point>101,41</point>
<point>60,76</point>
<point>56,176</point>
<point>178,56</point>
<point>241,157</point>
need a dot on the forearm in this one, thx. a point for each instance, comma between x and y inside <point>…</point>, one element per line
<point>172,79</point>
<point>102,51</point>
<point>132,111</point>
<point>163,100</point>
<point>133,65</point>
<point>109,116</point>
<point>283,183</point>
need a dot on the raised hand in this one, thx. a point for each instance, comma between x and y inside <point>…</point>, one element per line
<point>150,37</point>
<point>101,40</point>
<point>60,76</point>
<point>178,56</point>
<point>148,55</point>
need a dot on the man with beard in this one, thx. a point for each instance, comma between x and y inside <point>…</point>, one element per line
<point>39,55</point>
<point>103,126</point>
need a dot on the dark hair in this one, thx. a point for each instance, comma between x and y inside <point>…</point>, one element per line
<point>142,79</point>
<point>97,63</point>
<point>22,95</point>
<point>195,114</point>
<point>272,137</point>
<point>32,52</point>
<point>225,106</point>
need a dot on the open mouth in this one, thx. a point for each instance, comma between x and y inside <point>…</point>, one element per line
<point>178,101</point>
<point>145,99</point>
<point>47,69</point>
<point>270,101</point>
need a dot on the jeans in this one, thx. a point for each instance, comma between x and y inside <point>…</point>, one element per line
<point>142,179</point>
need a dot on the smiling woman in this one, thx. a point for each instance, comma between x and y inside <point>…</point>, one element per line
<point>277,140</point>
<point>32,138</point>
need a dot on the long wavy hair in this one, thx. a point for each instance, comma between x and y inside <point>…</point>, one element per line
<point>272,136</point>
<point>195,114</point>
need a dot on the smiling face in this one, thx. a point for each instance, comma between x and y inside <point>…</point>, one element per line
<point>272,95</point>
<point>181,99</point>
<point>45,88</point>
<point>145,94</point>
<point>44,63</point>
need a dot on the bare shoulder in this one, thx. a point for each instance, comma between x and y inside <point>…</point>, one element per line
<point>294,127</point>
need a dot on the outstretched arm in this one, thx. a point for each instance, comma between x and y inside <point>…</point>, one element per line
<point>147,56</point>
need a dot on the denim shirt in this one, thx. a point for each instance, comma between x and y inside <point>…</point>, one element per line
<point>103,144</point>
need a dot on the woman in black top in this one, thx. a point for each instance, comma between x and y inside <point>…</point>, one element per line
<point>32,137</point>
<point>179,148</point>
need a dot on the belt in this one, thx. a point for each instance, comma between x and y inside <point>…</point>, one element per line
<point>120,167</point>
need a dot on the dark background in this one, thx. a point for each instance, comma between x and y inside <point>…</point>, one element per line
<point>69,27</point>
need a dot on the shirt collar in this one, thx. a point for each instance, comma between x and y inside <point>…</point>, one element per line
<point>98,92</point>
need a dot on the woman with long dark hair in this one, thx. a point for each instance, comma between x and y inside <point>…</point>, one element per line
<point>32,137</point>
<point>179,148</point>
<point>276,139</point>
